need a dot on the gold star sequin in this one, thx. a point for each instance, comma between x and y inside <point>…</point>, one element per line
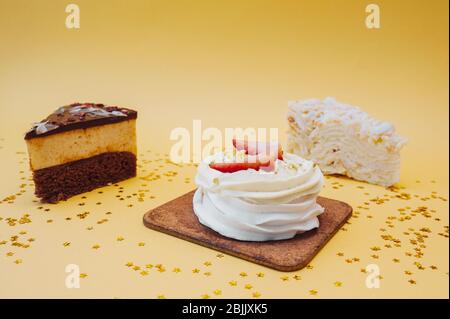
<point>160,268</point>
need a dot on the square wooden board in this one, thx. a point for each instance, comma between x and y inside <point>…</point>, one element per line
<point>177,218</point>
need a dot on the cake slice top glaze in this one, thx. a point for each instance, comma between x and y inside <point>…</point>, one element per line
<point>79,115</point>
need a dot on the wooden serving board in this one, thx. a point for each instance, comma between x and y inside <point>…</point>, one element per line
<point>177,218</point>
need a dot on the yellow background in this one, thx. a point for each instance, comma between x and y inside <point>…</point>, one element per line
<point>230,64</point>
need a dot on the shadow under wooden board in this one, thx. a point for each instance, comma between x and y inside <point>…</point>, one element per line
<point>177,218</point>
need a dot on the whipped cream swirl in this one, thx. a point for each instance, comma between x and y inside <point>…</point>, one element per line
<point>255,205</point>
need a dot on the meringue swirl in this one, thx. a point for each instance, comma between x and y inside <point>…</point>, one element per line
<point>252,205</point>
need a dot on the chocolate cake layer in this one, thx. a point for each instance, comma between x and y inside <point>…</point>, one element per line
<point>80,115</point>
<point>63,181</point>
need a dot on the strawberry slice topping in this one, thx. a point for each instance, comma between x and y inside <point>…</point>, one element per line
<point>241,166</point>
<point>259,148</point>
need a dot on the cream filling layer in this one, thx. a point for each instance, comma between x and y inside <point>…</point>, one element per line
<point>78,144</point>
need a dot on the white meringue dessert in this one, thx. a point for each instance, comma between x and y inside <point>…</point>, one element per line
<point>343,139</point>
<point>258,204</point>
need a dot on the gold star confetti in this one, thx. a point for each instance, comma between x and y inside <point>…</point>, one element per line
<point>120,238</point>
<point>136,268</point>
<point>207,263</point>
<point>144,273</point>
<point>96,246</point>
<point>243,274</point>
<point>220,255</point>
<point>207,273</point>
<point>340,254</point>
<point>195,270</point>
<point>83,275</point>
<point>309,267</point>
<point>66,244</point>
<point>284,278</point>
<point>313,292</point>
<point>160,268</point>
<point>248,286</point>
<point>161,297</point>
<point>141,244</point>
<point>176,270</point>
<point>18,261</point>
<point>205,296</point>
<point>149,266</point>
<point>129,264</point>
<point>260,275</point>
<point>412,282</point>
<point>217,292</point>
<point>338,284</point>
<point>297,277</point>
<point>256,294</point>
<point>9,254</point>
<point>232,283</point>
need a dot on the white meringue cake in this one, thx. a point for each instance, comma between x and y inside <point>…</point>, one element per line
<point>342,139</point>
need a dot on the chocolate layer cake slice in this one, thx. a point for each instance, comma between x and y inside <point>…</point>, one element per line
<point>80,147</point>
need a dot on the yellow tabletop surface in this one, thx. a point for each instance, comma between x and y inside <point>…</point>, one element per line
<point>228,64</point>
